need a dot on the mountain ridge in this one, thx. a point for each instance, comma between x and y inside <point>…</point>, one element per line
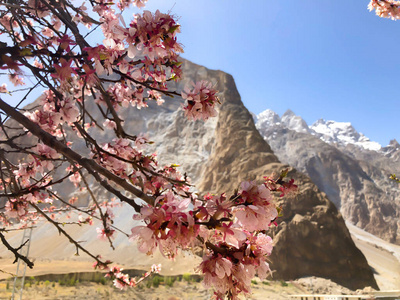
<point>355,178</point>
<point>327,130</point>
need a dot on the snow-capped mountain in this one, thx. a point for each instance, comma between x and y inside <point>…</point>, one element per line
<point>352,170</point>
<point>293,122</point>
<point>332,132</point>
<point>267,118</point>
<point>342,133</point>
<point>392,148</point>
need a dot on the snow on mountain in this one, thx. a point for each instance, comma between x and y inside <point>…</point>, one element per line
<point>293,122</point>
<point>340,162</point>
<point>392,148</point>
<point>267,118</point>
<point>342,133</point>
<point>332,132</point>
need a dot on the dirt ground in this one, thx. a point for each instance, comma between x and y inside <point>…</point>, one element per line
<point>383,257</point>
<point>180,290</point>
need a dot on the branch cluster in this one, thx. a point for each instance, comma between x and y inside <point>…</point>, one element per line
<point>133,66</point>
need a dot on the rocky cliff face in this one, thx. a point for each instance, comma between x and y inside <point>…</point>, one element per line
<point>341,163</point>
<point>311,238</point>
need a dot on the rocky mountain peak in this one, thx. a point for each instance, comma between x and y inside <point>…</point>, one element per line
<point>267,118</point>
<point>336,131</point>
<point>310,219</point>
<point>289,113</point>
<point>349,168</point>
<point>394,144</point>
<point>392,150</point>
<point>294,122</point>
<point>342,133</point>
<point>332,132</point>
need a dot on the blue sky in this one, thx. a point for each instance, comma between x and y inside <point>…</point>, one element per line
<point>322,59</point>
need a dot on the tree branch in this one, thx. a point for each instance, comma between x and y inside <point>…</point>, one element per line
<point>90,165</point>
<point>15,251</point>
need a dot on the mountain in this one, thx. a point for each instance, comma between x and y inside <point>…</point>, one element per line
<point>311,222</point>
<point>352,170</point>
<point>293,122</point>
<point>311,238</point>
<point>342,133</point>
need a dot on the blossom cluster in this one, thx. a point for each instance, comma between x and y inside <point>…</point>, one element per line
<point>37,165</point>
<point>132,66</point>
<point>232,231</point>
<point>385,8</point>
<point>121,280</point>
<point>200,100</point>
<point>230,270</point>
<point>169,226</point>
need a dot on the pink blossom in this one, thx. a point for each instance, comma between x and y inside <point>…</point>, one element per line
<point>16,208</point>
<point>68,110</point>
<point>3,88</point>
<point>385,8</point>
<point>37,64</point>
<point>217,272</point>
<point>156,268</point>
<point>168,226</point>
<point>87,220</point>
<point>89,76</point>
<point>75,178</point>
<point>46,151</point>
<point>63,71</point>
<point>104,233</point>
<point>154,34</point>
<point>146,239</point>
<point>139,3</point>
<point>201,101</point>
<point>48,32</point>
<point>109,124</point>
<point>121,281</point>
<point>8,22</point>
<point>257,210</point>
<point>16,79</point>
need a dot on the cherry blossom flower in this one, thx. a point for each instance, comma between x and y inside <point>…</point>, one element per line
<point>109,124</point>
<point>3,88</point>
<point>16,208</point>
<point>385,8</point>
<point>258,209</point>
<point>16,79</point>
<point>46,151</point>
<point>63,71</point>
<point>104,233</point>
<point>201,101</point>
<point>156,268</point>
<point>8,22</point>
<point>168,226</point>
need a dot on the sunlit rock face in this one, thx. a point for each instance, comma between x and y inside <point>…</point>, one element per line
<point>352,170</point>
<point>310,239</point>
